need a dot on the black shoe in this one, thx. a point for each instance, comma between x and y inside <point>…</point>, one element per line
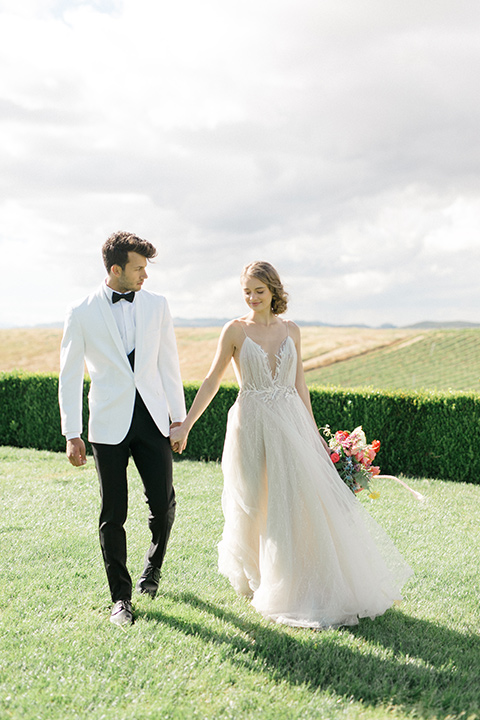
<point>122,613</point>
<point>148,581</point>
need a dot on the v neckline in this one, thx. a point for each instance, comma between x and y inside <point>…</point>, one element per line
<point>273,372</point>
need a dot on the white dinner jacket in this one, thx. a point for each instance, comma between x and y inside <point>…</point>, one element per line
<point>91,336</point>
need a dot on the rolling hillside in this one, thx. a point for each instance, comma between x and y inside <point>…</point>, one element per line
<point>348,357</point>
<point>431,359</point>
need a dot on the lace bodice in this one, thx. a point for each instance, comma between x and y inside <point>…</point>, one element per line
<point>256,373</point>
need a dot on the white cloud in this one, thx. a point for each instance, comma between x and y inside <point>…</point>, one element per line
<point>335,139</point>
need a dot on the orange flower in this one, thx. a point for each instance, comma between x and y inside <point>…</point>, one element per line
<point>376,445</point>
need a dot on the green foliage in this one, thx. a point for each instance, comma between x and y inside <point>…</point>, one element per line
<point>436,359</point>
<point>30,415</point>
<point>427,434</point>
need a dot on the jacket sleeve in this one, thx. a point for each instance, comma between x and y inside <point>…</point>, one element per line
<point>169,368</point>
<point>70,387</point>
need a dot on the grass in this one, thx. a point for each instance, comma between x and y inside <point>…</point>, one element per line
<point>198,650</point>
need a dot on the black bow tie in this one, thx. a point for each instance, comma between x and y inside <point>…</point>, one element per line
<point>128,297</point>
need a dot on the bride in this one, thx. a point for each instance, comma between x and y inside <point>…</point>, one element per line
<point>295,540</point>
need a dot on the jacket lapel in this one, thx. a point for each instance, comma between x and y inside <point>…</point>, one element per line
<point>139,326</point>
<point>111,324</point>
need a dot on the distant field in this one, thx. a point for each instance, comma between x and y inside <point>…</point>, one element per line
<point>347,357</point>
<point>38,350</point>
<point>30,349</point>
<point>432,359</point>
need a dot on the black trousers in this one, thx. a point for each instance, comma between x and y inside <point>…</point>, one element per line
<point>153,458</point>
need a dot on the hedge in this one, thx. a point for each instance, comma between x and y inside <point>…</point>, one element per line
<point>29,413</point>
<point>423,434</point>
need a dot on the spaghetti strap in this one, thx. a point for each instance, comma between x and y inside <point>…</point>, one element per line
<point>244,331</point>
<point>242,324</point>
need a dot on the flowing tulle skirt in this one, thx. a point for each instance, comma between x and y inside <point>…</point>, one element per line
<point>295,539</point>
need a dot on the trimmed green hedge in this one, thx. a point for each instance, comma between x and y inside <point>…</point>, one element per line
<point>423,434</point>
<point>29,412</point>
<point>205,441</point>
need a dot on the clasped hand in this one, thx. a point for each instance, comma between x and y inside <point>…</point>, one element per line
<point>178,437</point>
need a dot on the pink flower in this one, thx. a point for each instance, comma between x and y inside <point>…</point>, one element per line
<point>341,435</point>
<point>374,470</point>
<point>334,457</point>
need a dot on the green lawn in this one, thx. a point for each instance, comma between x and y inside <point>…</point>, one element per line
<point>439,359</point>
<point>198,650</point>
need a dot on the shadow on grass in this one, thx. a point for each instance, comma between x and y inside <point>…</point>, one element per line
<point>395,660</point>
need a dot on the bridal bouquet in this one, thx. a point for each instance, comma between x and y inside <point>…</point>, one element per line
<point>353,458</point>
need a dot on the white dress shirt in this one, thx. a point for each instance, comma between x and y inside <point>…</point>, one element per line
<point>124,314</point>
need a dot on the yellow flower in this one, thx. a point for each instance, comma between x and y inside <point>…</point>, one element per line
<point>374,495</point>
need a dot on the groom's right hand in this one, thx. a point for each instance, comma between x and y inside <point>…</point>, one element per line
<point>76,452</point>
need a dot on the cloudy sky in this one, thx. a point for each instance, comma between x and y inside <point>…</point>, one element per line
<point>337,139</point>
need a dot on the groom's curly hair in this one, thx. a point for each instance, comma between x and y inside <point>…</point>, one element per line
<point>267,274</point>
<point>116,248</point>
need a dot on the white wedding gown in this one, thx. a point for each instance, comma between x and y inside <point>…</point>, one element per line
<point>296,540</point>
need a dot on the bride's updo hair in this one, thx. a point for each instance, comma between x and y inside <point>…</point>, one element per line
<point>267,274</point>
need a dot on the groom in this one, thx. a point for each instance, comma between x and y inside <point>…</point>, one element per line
<point>125,336</point>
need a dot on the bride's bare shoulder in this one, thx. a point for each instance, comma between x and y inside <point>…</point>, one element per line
<point>233,331</point>
<point>293,329</point>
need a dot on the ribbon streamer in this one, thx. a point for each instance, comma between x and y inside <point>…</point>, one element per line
<point>416,494</point>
